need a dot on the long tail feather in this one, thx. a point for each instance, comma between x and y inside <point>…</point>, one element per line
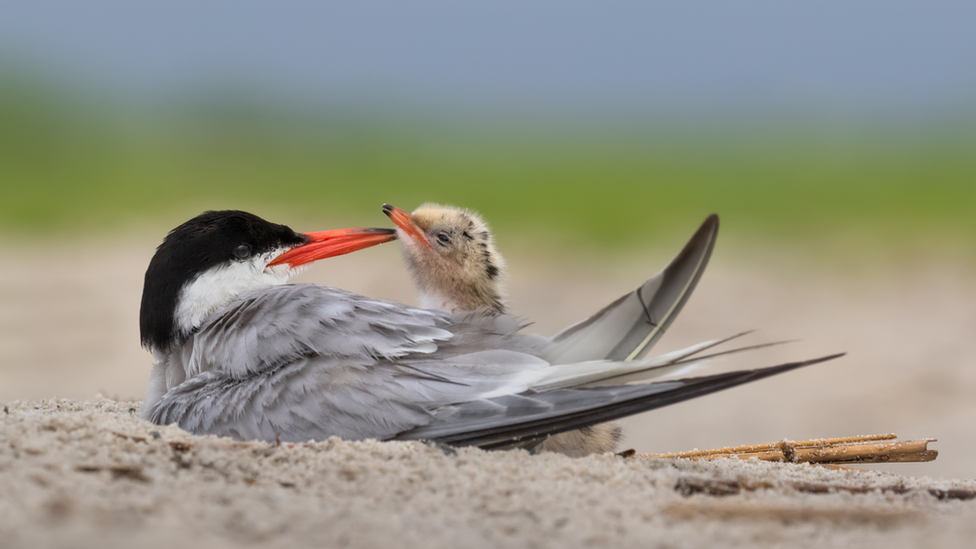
<point>635,374</point>
<point>605,372</point>
<point>516,420</point>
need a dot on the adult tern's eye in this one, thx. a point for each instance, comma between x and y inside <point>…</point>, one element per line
<point>242,252</point>
<point>443,238</point>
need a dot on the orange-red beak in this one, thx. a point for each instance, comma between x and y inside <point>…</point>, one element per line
<point>332,243</point>
<point>402,219</point>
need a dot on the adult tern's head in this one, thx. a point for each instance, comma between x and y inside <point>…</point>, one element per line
<point>452,257</point>
<point>218,255</point>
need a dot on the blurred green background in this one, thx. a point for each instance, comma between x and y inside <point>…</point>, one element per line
<point>74,166</point>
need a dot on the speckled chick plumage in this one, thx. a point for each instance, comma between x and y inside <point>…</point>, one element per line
<point>462,270</point>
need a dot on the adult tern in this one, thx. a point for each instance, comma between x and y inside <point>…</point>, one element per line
<point>243,354</point>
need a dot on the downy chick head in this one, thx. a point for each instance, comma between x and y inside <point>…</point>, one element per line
<point>452,258</point>
<point>218,255</point>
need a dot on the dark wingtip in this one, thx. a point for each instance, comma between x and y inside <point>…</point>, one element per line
<point>760,373</point>
<point>710,225</point>
<point>638,401</point>
<point>705,237</point>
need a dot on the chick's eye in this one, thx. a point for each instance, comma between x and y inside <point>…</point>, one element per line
<point>443,238</point>
<point>242,252</point>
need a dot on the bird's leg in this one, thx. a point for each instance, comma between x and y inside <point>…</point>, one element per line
<point>447,449</point>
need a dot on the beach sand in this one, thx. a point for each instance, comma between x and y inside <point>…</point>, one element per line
<point>90,474</point>
<point>86,472</point>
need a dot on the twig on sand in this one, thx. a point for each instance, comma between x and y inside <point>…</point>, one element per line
<point>720,487</point>
<point>827,451</point>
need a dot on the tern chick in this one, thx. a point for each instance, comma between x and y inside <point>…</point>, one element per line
<point>452,258</point>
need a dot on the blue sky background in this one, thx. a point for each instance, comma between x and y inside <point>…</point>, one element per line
<point>569,58</point>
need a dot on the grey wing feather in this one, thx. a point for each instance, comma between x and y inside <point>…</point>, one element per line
<point>307,399</point>
<point>515,420</point>
<point>628,328</point>
<point>307,361</point>
<point>280,324</point>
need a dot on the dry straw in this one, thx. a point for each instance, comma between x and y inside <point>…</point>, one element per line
<point>836,451</point>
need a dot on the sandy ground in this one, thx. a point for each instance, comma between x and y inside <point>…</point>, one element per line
<point>92,475</point>
<point>68,328</point>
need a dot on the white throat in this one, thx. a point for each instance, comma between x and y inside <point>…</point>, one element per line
<point>438,300</point>
<point>218,286</point>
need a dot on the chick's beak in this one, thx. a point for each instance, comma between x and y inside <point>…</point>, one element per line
<point>402,219</point>
<point>332,243</point>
